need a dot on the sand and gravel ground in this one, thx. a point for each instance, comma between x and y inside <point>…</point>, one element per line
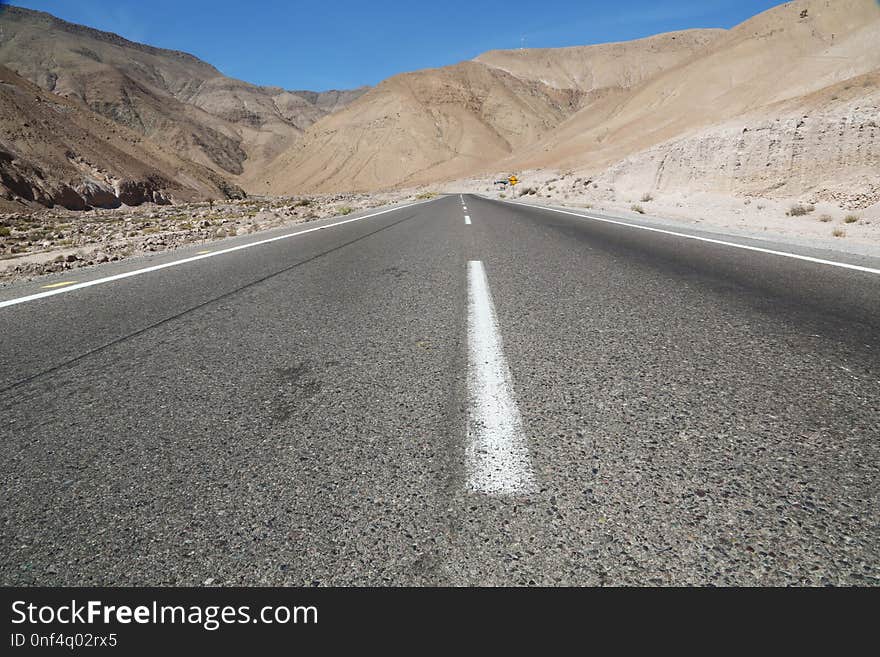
<point>823,224</point>
<point>52,241</point>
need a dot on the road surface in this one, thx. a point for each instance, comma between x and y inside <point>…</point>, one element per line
<point>455,392</point>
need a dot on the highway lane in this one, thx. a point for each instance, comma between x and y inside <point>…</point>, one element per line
<point>305,412</point>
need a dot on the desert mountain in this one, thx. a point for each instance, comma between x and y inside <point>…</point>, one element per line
<point>429,124</point>
<point>782,103</point>
<point>770,71</point>
<point>452,121</point>
<point>171,97</point>
<point>53,151</point>
<point>605,66</point>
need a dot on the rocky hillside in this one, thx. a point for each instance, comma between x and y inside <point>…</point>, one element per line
<point>173,98</point>
<point>436,124</point>
<point>782,104</point>
<point>833,151</point>
<point>747,110</point>
<point>53,151</point>
<point>427,125</point>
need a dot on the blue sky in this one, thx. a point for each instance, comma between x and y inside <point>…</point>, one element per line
<point>344,43</point>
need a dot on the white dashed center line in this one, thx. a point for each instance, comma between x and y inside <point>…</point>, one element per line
<point>498,461</point>
<point>467,220</point>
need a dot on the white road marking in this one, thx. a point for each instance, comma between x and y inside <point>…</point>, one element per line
<point>202,256</point>
<point>467,220</point>
<point>784,254</point>
<point>497,457</point>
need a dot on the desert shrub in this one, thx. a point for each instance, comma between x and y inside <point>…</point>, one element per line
<point>647,198</point>
<point>839,232</point>
<point>800,210</point>
<point>850,219</point>
<point>825,218</point>
<point>637,208</point>
<point>4,231</point>
<point>426,195</point>
<point>344,210</point>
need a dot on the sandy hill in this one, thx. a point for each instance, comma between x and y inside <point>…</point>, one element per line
<point>53,151</point>
<point>711,97</point>
<point>452,121</point>
<point>782,104</point>
<point>605,66</point>
<point>778,55</point>
<point>421,126</point>
<point>171,97</point>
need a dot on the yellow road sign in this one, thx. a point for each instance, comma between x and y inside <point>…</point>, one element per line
<point>513,180</point>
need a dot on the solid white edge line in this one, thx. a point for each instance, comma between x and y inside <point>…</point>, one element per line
<point>146,270</point>
<point>784,254</point>
<point>497,456</point>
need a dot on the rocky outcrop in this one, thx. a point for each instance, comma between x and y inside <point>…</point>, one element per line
<point>137,192</point>
<point>67,197</point>
<point>97,195</point>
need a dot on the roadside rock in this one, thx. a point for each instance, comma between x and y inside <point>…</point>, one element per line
<point>67,197</point>
<point>98,196</point>
<point>137,192</point>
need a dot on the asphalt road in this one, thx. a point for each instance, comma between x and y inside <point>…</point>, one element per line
<point>592,404</point>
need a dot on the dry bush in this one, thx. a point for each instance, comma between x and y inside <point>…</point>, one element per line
<point>800,210</point>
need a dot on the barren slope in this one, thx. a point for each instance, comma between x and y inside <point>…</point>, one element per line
<point>54,151</point>
<point>442,123</point>
<point>422,126</point>
<point>777,56</point>
<point>826,144</point>
<point>605,66</point>
<point>171,97</point>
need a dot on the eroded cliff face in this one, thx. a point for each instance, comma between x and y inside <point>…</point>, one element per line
<point>831,153</point>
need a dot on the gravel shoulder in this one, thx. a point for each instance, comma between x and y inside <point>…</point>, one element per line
<point>54,241</point>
